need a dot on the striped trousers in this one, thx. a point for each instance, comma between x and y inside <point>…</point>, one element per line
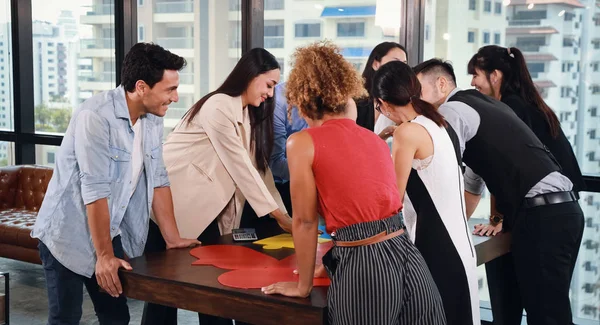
<point>386,283</point>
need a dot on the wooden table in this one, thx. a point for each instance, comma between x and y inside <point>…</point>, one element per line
<point>168,278</point>
<point>489,248</point>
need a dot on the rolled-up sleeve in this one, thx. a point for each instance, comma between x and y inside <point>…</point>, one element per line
<point>161,177</point>
<point>93,155</point>
<point>220,128</point>
<point>278,162</point>
<point>473,182</point>
<point>465,121</point>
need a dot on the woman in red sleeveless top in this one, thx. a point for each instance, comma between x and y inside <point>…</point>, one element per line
<point>345,173</point>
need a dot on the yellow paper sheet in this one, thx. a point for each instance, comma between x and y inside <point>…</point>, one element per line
<point>282,241</point>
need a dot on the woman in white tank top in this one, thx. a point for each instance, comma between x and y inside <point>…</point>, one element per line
<point>429,177</point>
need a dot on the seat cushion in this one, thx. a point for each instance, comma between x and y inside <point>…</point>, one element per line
<point>16,226</point>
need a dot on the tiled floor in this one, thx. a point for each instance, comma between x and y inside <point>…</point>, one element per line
<point>29,304</point>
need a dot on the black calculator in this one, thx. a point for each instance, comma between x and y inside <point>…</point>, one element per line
<point>244,234</point>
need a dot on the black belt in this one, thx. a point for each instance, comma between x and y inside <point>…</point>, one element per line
<point>549,198</point>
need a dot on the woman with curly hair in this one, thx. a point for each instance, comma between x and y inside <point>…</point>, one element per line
<point>345,173</point>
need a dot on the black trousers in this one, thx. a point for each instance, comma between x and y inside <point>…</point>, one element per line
<point>537,274</point>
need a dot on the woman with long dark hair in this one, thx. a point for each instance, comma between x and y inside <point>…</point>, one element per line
<point>427,161</point>
<point>502,73</point>
<point>345,173</point>
<point>368,117</point>
<point>217,158</point>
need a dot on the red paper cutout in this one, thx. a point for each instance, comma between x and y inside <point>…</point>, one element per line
<point>258,278</point>
<point>231,257</point>
<point>252,269</point>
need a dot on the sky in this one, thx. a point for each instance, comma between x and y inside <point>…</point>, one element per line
<point>47,10</point>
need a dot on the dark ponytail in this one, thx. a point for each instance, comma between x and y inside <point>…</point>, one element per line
<point>515,78</point>
<point>396,83</point>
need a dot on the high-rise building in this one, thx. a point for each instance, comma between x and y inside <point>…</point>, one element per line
<point>96,51</point>
<point>557,39</point>
<point>197,31</point>
<point>5,79</point>
<point>356,26</point>
<point>50,63</point>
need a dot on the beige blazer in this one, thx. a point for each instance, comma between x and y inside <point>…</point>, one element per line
<point>208,159</point>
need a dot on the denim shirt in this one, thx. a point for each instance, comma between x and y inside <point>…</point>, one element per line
<point>282,129</point>
<point>94,162</point>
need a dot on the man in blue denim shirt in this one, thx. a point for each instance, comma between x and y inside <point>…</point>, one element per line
<point>282,129</point>
<point>109,173</point>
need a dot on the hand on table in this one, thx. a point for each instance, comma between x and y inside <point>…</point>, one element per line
<point>183,243</point>
<point>107,274</point>
<point>288,289</point>
<point>487,230</point>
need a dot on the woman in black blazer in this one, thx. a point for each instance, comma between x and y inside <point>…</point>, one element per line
<point>381,54</point>
<point>502,73</point>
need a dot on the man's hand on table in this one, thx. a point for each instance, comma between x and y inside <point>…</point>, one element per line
<point>107,268</point>
<point>183,243</point>
<point>487,230</point>
<point>288,289</point>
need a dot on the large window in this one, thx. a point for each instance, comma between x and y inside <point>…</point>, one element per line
<point>206,33</point>
<point>274,4</point>
<point>355,26</point>
<point>6,83</point>
<point>308,30</point>
<point>472,4</point>
<point>45,155</point>
<point>356,29</point>
<point>274,36</point>
<point>7,153</point>
<point>73,58</point>
<point>559,41</point>
<point>487,6</point>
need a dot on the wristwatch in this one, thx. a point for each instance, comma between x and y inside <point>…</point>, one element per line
<point>495,220</point>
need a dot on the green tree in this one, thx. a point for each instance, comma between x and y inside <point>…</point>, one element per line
<point>51,119</point>
<point>60,119</point>
<point>42,118</point>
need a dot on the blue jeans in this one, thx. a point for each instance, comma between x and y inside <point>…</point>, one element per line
<point>65,293</point>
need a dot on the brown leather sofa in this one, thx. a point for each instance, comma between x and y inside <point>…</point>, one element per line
<point>22,190</point>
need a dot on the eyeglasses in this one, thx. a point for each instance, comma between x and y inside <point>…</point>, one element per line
<point>378,106</point>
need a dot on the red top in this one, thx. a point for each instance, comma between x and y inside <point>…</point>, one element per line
<point>354,174</point>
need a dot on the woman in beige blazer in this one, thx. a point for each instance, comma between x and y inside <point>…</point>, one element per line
<point>217,158</point>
